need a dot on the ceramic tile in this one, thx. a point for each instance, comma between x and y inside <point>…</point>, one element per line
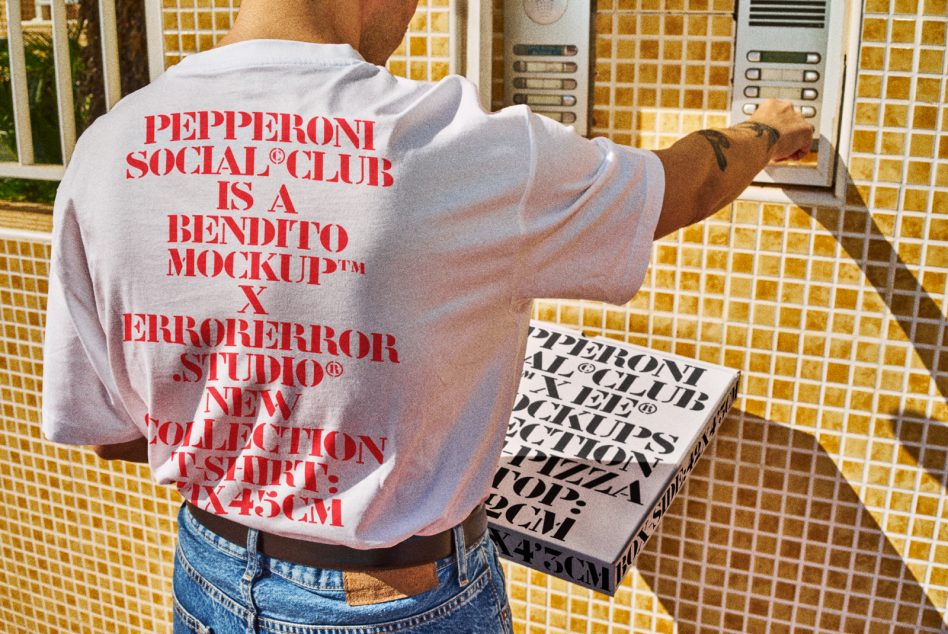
<point>819,507</point>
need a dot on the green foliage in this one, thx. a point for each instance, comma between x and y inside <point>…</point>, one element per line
<point>31,190</point>
<point>44,112</point>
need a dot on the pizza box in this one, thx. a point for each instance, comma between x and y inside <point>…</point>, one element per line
<point>602,436</point>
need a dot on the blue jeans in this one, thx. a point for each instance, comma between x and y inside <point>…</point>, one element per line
<point>222,588</point>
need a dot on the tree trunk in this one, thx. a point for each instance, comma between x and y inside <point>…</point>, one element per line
<point>133,53</point>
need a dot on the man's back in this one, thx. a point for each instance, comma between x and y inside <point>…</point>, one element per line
<point>312,282</point>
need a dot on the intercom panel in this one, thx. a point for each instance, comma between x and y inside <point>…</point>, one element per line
<point>792,50</point>
<point>546,58</point>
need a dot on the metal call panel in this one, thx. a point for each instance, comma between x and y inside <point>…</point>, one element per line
<point>792,50</point>
<point>546,58</point>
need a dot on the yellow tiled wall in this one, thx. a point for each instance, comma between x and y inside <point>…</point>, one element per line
<point>821,506</point>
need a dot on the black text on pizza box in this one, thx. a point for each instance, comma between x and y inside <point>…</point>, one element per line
<point>602,437</point>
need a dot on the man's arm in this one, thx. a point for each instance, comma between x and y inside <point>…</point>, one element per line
<point>708,169</point>
<point>133,451</point>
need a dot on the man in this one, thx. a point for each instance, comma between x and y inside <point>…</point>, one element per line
<point>299,289</point>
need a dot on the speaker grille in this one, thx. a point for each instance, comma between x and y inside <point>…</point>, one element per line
<point>809,14</point>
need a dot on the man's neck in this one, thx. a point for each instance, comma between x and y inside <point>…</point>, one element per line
<point>293,20</point>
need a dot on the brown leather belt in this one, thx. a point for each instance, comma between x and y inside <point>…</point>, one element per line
<point>411,552</point>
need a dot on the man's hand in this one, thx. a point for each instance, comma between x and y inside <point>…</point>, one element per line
<point>133,451</point>
<point>795,132</point>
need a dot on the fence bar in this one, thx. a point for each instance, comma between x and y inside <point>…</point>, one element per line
<point>37,171</point>
<point>21,104</point>
<point>108,31</point>
<point>479,32</point>
<point>43,237</point>
<point>154,31</point>
<point>454,40</point>
<point>63,66</point>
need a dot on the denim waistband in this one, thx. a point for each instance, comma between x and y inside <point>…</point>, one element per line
<point>306,576</point>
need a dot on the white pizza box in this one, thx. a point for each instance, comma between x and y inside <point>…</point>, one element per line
<point>602,437</point>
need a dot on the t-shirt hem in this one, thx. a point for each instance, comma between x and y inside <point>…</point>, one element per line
<point>56,433</point>
<point>643,237</point>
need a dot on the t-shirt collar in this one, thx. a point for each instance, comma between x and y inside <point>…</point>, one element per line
<point>266,51</point>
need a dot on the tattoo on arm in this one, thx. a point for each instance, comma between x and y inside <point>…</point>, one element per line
<point>719,143</point>
<point>761,129</point>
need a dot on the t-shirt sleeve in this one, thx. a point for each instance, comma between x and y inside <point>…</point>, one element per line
<point>588,215</point>
<point>79,405</point>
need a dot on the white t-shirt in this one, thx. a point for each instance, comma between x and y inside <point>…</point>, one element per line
<point>308,282</point>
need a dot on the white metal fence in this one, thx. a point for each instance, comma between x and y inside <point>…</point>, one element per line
<point>25,165</point>
<point>470,53</point>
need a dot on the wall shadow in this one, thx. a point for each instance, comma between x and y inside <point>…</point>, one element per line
<point>924,439</point>
<point>768,536</point>
<point>877,258</point>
